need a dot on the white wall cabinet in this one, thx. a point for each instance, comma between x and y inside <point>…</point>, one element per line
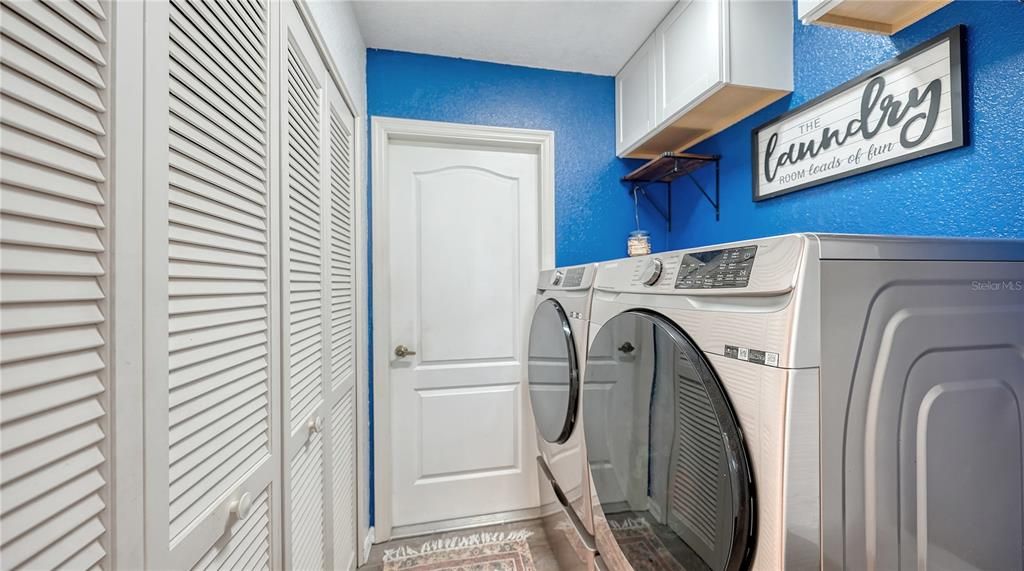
<point>233,384</point>
<point>634,97</point>
<point>714,62</point>
<point>688,49</point>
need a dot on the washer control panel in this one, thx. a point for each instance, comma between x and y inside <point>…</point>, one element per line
<point>728,268</point>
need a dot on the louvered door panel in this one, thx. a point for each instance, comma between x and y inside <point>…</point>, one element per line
<point>53,196</point>
<point>218,401</point>
<point>343,443</point>
<point>341,393</point>
<point>308,508</point>
<point>699,475</point>
<point>303,263</point>
<point>248,545</point>
<point>341,233</point>
<point>305,248</point>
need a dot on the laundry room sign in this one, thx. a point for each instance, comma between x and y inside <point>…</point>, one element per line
<point>909,107</point>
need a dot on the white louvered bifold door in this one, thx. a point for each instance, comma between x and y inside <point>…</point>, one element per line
<point>210,414</point>
<point>340,283</point>
<point>53,215</point>
<point>304,295</point>
<point>317,256</point>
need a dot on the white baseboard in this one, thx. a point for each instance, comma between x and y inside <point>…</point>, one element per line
<point>368,542</point>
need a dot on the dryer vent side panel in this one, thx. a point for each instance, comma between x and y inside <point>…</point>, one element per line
<point>54,211</point>
<point>932,474</point>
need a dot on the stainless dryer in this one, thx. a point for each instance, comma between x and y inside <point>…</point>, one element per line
<point>557,357</point>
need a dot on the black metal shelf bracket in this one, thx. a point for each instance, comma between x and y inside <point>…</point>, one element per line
<point>641,190</point>
<point>665,170</point>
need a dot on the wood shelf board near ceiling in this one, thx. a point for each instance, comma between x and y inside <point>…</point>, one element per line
<point>722,109</point>
<point>885,17</point>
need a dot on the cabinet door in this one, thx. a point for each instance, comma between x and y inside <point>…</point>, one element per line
<point>54,210</point>
<point>634,98</point>
<point>690,54</point>
<point>209,417</point>
<point>805,8</point>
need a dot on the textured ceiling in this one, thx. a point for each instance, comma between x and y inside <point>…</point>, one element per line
<point>596,36</point>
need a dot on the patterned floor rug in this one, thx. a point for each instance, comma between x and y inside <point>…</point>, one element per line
<point>641,547</point>
<point>476,552</point>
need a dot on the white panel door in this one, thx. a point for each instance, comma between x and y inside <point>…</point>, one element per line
<point>464,255</point>
<point>689,54</point>
<point>634,97</point>
<point>53,307</point>
<point>210,463</point>
<point>318,334</point>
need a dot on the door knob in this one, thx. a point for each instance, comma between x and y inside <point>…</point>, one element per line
<point>403,351</point>
<point>627,347</point>
<point>240,507</point>
<point>316,424</point>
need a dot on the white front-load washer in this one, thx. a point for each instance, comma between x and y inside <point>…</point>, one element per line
<point>556,362</point>
<point>809,402</point>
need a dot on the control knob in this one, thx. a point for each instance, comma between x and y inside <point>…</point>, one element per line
<point>652,272</point>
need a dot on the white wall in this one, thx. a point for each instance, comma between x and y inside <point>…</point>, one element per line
<point>337,22</point>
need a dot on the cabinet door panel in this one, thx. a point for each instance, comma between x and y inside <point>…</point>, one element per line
<point>689,54</point>
<point>634,97</point>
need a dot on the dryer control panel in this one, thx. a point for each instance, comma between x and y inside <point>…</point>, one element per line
<point>573,277</point>
<point>726,268</point>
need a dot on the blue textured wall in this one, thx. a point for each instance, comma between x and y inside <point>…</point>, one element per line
<point>973,191</point>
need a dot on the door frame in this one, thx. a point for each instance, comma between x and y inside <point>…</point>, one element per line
<point>385,132</point>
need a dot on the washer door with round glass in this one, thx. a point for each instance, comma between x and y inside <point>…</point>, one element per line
<point>665,450</point>
<point>553,373</point>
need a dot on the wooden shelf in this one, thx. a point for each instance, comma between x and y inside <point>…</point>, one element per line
<point>876,16</point>
<point>668,167</point>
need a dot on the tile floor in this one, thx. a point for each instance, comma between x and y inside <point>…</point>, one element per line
<point>543,557</point>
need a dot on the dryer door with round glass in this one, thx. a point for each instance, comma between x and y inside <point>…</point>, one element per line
<point>667,457</point>
<point>553,373</point>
